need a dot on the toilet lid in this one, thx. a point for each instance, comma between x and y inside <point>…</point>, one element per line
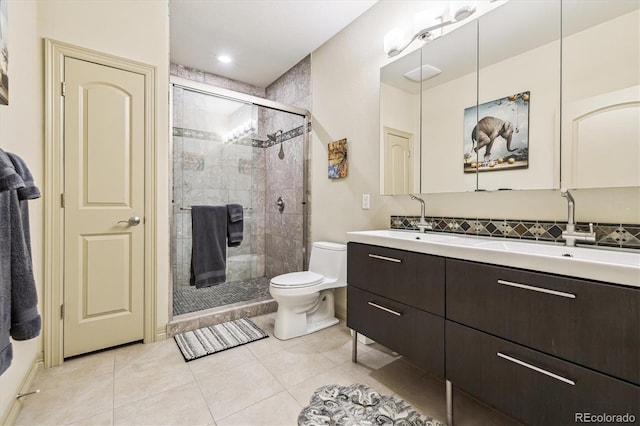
<point>297,279</point>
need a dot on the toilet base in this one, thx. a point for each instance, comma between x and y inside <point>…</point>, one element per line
<point>304,318</point>
<point>311,328</point>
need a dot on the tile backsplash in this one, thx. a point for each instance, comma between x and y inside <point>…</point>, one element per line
<point>607,234</point>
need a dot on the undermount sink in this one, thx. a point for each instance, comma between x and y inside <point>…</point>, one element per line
<point>621,267</point>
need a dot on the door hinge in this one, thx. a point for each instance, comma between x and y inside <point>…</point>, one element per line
<point>62,201</point>
<point>63,88</point>
<point>62,311</point>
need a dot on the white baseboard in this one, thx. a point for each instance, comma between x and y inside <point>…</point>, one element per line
<point>161,334</point>
<point>15,407</point>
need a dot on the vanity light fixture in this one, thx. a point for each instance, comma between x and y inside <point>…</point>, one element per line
<point>425,23</point>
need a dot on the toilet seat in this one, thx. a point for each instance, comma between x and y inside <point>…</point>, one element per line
<point>297,280</point>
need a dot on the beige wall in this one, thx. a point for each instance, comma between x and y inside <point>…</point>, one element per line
<point>345,74</point>
<point>137,30</point>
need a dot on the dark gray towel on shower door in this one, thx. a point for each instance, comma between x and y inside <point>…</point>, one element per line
<point>208,248</point>
<point>235,224</point>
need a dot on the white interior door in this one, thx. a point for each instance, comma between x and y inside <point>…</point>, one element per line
<point>399,169</point>
<point>601,141</point>
<point>104,185</point>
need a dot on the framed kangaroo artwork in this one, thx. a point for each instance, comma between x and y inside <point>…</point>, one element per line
<point>4,54</point>
<point>496,134</point>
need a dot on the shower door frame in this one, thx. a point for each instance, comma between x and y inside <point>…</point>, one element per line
<point>175,81</point>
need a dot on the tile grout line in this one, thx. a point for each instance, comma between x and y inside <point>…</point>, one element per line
<point>113,392</point>
<point>204,399</point>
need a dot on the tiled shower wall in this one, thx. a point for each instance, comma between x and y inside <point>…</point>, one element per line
<point>206,171</point>
<point>283,231</point>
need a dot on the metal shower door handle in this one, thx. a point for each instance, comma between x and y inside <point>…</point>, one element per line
<point>132,221</point>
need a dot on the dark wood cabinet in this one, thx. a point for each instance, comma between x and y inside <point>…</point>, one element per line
<point>592,324</point>
<point>412,278</point>
<point>533,387</point>
<point>543,348</point>
<point>396,298</point>
<point>416,334</point>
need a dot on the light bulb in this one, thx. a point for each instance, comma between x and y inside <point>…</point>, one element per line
<point>393,40</point>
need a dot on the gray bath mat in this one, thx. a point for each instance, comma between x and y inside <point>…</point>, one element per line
<point>359,405</point>
<point>209,340</point>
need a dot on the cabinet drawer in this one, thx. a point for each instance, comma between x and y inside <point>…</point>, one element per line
<point>530,386</point>
<point>412,278</point>
<point>415,334</point>
<point>592,324</point>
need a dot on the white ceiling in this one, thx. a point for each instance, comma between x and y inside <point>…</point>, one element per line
<point>264,37</point>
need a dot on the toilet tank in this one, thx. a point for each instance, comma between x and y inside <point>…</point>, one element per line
<point>329,260</point>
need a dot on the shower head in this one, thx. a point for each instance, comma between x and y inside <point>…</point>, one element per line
<point>273,137</point>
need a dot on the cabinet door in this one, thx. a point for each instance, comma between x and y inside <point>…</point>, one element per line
<point>415,334</point>
<point>530,386</point>
<point>412,278</point>
<point>592,324</point>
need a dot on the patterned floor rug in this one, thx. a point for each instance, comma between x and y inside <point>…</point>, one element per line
<point>359,405</point>
<point>209,340</point>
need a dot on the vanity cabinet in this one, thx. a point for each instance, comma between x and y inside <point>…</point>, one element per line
<point>529,385</point>
<point>411,332</point>
<point>411,278</point>
<point>396,298</point>
<point>540,347</point>
<point>543,348</point>
<point>589,323</point>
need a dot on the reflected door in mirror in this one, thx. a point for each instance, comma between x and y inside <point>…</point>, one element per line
<point>398,161</point>
<point>601,94</point>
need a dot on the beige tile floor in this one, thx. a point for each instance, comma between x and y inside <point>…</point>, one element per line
<point>266,382</point>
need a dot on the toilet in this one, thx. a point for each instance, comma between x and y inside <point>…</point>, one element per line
<point>305,299</point>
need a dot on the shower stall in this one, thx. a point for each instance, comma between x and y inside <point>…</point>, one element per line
<point>232,148</point>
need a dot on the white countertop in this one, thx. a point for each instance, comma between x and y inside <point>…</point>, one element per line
<point>612,266</point>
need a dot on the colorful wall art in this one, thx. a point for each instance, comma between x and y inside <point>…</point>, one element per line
<point>338,159</point>
<point>496,134</point>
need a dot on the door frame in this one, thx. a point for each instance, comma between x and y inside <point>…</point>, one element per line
<point>53,297</point>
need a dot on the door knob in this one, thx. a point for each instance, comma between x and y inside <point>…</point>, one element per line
<point>133,221</point>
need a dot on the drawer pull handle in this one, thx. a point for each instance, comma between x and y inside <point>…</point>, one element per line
<point>389,259</point>
<point>538,289</point>
<point>391,311</point>
<point>538,369</point>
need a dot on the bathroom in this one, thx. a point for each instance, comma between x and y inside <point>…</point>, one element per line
<point>344,87</point>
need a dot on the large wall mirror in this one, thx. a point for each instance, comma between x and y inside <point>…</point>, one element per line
<point>519,96</point>
<point>531,95</point>
<point>449,65</point>
<point>601,94</point>
<point>400,86</point>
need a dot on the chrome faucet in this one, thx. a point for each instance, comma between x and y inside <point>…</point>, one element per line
<point>422,225</point>
<point>570,235</point>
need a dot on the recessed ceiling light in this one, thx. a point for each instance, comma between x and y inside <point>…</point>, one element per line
<point>225,59</point>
